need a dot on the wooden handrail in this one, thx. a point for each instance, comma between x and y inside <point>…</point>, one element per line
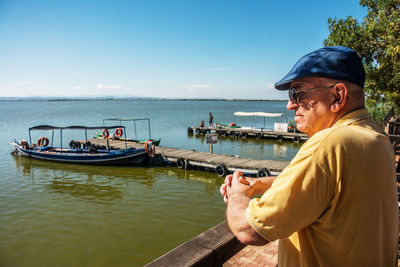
<point>211,248</point>
<point>394,137</point>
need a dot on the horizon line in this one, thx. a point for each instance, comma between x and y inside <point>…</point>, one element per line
<point>111,98</point>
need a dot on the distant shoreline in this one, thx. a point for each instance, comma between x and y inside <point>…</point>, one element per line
<point>62,99</point>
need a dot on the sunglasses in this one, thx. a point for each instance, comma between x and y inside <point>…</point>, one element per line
<point>295,96</point>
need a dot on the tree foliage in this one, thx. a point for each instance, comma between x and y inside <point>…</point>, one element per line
<point>377,40</point>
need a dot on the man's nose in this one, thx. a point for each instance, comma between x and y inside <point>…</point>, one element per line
<point>291,105</point>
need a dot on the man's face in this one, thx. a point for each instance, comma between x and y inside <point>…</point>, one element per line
<point>313,111</point>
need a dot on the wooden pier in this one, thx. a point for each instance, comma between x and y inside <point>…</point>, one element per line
<point>249,133</point>
<point>221,164</point>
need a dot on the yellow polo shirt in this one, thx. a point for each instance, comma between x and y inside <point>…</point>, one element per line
<point>336,202</point>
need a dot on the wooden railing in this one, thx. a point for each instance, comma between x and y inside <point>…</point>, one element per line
<point>211,248</point>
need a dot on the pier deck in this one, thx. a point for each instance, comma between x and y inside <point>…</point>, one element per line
<point>221,164</point>
<point>249,133</point>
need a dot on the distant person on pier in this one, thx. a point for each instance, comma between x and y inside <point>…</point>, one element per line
<point>336,202</point>
<point>202,124</point>
<point>211,120</point>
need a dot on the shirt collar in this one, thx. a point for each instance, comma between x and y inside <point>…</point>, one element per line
<point>353,116</point>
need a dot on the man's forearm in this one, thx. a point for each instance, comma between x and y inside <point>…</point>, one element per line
<point>236,212</point>
<point>236,218</point>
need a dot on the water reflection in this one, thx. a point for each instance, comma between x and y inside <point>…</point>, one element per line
<point>280,151</point>
<point>208,178</point>
<point>102,184</point>
<point>88,191</point>
<point>96,183</point>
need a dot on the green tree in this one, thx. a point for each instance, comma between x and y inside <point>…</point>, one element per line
<point>377,40</point>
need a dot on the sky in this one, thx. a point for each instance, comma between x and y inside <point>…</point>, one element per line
<point>232,49</point>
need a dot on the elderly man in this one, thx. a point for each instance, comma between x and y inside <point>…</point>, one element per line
<point>336,202</point>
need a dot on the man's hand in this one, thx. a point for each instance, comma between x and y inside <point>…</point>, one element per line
<point>239,185</point>
<point>257,186</point>
<point>224,186</point>
<point>228,183</point>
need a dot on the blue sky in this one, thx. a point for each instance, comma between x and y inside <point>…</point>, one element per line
<point>165,48</point>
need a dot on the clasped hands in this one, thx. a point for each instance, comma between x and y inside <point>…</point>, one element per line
<point>237,183</point>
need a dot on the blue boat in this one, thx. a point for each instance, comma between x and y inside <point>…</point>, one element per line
<point>77,152</point>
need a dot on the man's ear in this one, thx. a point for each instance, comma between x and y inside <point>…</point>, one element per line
<point>340,94</point>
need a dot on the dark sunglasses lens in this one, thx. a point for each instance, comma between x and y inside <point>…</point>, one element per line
<point>292,95</point>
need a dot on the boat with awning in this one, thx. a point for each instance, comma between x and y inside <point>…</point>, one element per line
<point>77,152</point>
<point>278,126</point>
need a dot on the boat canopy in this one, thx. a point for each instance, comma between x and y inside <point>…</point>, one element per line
<point>259,114</point>
<point>74,127</point>
<point>134,123</point>
<point>126,119</point>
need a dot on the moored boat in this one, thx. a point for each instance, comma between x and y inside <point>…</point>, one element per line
<point>119,132</point>
<point>79,153</point>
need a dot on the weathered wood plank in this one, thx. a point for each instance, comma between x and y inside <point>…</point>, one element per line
<point>182,153</point>
<point>211,248</point>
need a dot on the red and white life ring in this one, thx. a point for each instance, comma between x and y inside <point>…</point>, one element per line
<point>24,144</point>
<point>119,132</point>
<point>43,141</point>
<point>106,133</point>
<point>149,147</point>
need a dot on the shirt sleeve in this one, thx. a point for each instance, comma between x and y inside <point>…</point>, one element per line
<point>297,197</point>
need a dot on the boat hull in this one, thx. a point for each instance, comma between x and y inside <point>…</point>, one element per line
<point>117,157</point>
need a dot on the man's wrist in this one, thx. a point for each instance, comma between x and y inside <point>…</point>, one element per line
<point>238,197</point>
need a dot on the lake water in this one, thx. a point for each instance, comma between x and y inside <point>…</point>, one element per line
<point>54,214</point>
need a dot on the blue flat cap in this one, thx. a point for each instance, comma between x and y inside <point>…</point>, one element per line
<point>336,62</point>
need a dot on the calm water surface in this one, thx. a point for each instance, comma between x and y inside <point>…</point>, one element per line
<point>55,214</point>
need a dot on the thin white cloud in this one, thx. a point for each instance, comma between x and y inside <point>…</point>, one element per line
<point>219,69</point>
<point>108,86</point>
<point>23,83</point>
